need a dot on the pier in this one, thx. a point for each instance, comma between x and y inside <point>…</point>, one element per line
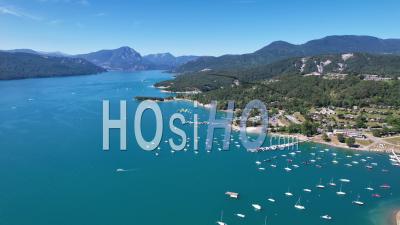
<point>289,143</point>
<point>395,156</point>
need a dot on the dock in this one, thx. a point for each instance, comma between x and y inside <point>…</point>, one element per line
<point>294,145</point>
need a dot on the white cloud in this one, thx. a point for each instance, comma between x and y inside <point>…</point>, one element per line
<point>5,10</point>
<point>10,10</point>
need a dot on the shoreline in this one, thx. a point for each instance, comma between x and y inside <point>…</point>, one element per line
<point>314,139</point>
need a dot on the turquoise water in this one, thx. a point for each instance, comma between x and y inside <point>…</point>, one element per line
<point>53,169</point>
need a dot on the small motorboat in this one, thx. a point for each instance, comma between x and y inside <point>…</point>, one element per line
<point>369,188</point>
<point>256,206</point>
<point>326,217</point>
<point>345,180</point>
<point>385,186</point>
<point>232,194</point>
<point>376,195</point>
<point>240,215</point>
<point>288,169</point>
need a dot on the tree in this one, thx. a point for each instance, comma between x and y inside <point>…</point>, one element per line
<point>361,122</point>
<point>350,141</point>
<point>308,128</point>
<point>282,129</point>
<point>340,138</point>
<point>273,111</point>
<point>325,137</point>
<point>329,128</point>
<point>377,132</point>
<point>294,128</point>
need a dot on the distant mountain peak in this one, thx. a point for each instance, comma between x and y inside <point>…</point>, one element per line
<point>277,46</point>
<point>126,50</point>
<point>280,44</point>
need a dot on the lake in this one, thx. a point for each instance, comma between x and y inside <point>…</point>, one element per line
<point>53,169</point>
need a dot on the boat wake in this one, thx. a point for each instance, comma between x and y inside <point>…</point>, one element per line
<point>120,170</point>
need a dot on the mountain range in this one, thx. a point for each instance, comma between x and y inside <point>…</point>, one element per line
<point>330,66</point>
<point>122,59</point>
<point>127,59</point>
<point>282,50</point>
<point>167,60</point>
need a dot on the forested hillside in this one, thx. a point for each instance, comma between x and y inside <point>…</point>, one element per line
<point>279,50</point>
<point>26,65</point>
<point>326,66</point>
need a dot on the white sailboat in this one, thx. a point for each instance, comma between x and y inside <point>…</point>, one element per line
<point>340,192</point>
<point>288,193</point>
<point>298,205</point>
<point>320,184</point>
<point>358,202</point>
<point>220,222</point>
<point>287,168</point>
<point>331,183</point>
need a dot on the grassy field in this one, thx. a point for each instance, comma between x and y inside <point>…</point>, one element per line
<point>393,140</point>
<point>363,142</point>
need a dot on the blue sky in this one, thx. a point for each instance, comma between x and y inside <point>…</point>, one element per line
<point>203,27</point>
